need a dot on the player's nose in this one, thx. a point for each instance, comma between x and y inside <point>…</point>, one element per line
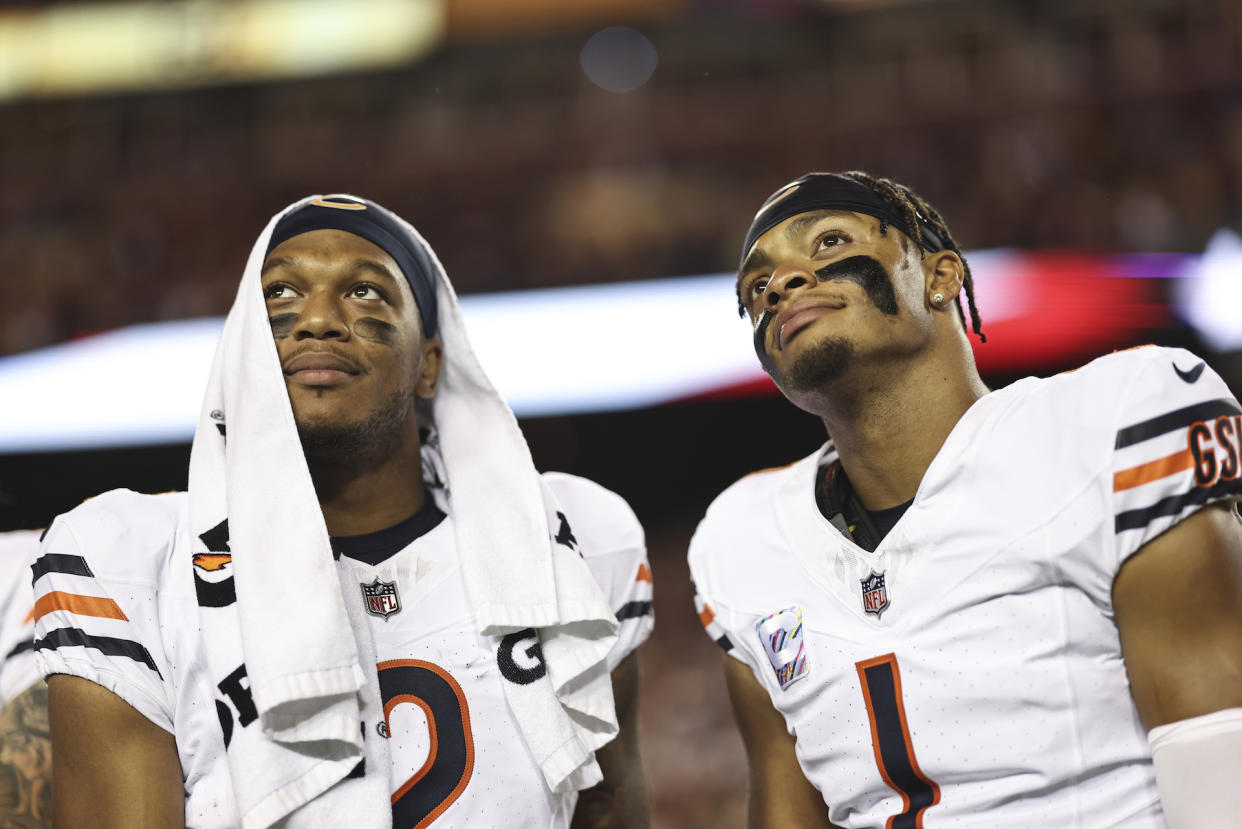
<point>322,317</point>
<point>787,278</point>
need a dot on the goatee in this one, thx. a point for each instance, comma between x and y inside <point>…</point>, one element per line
<point>377,436</point>
<point>818,365</point>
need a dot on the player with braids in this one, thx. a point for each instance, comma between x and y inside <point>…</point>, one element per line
<point>913,206</point>
<point>969,607</point>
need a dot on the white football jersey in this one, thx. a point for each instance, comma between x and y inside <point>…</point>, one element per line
<point>968,673</point>
<point>18,671</point>
<point>118,607</point>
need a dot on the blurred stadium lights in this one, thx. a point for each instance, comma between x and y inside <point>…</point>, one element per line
<point>1212,303</point>
<point>469,19</point>
<point>67,49</point>
<point>606,347</point>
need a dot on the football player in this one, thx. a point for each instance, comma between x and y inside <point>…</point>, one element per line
<point>1019,607</point>
<point>410,695</point>
<point>25,745</point>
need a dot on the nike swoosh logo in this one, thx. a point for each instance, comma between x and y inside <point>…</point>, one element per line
<point>1192,375</point>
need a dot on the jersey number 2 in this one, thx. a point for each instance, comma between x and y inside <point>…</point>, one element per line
<point>890,737</point>
<point>450,758</point>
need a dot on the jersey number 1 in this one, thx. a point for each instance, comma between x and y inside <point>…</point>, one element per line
<point>450,760</point>
<point>890,737</point>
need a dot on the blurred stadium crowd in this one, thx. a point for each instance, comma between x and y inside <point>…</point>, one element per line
<point>1096,124</point>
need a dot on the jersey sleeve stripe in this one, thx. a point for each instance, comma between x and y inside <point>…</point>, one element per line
<point>633,610</point>
<point>59,563</point>
<point>81,605</point>
<point>107,645</point>
<point>1176,504</point>
<point>714,629</point>
<point>644,573</point>
<point>1178,419</point>
<point>1153,470</point>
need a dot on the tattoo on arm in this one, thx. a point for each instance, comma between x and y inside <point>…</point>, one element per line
<point>26,762</point>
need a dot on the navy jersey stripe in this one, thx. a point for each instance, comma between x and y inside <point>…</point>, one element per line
<point>59,563</point>
<point>1172,421</point>
<point>1173,505</point>
<point>724,642</point>
<point>633,610</point>
<point>108,645</point>
<point>20,647</point>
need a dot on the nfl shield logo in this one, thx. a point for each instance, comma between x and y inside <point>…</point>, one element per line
<point>874,594</point>
<point>381,598</point>
<point>784,642</point>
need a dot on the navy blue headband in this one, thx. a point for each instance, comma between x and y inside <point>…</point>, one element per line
<point>377,225</point>
<point>830,191</point>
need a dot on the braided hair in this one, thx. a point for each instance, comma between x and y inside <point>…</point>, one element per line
<point>911,205</point>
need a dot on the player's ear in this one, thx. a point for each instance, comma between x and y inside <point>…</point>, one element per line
<point>943,274</point>
<point>429,368</point>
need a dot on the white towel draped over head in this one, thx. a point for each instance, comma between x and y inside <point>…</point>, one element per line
<point>277,619</point>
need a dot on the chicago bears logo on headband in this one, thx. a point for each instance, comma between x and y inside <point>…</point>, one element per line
<point>339,205</point>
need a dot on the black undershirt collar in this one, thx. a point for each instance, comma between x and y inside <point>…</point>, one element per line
<point>374,548</point>
<point>885,519</point>
<point>840,506</point>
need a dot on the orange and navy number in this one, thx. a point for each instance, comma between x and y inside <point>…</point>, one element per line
<point>890,737</point>
<point>450,758</point>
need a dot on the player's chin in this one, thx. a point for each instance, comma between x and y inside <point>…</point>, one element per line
<point>313,410</point>
<point>809,364</point>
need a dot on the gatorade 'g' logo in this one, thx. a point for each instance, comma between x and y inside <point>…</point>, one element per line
<point>213,571</point>
<point>212,562</point>
<point>521,674</point>
<point>339,205</point>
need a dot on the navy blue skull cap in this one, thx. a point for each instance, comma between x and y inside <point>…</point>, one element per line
<point>381,227</point>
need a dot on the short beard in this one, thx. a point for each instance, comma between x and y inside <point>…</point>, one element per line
<point>818,365</point>
<point>377,436</point>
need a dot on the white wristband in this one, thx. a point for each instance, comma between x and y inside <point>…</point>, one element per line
<point>1199,770</point>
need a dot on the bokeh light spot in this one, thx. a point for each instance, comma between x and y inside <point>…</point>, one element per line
<point>619,59</point>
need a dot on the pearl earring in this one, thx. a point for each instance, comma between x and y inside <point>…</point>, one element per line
<point>937,298</point>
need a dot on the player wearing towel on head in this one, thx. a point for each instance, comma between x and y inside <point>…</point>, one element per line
<point>368,610</point>
<point>970,608</point>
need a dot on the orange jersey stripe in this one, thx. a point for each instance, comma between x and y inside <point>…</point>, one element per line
<point>644,573</point>
<point>708,615</point>
<point>1153,470</point>
<point>81,605</point>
